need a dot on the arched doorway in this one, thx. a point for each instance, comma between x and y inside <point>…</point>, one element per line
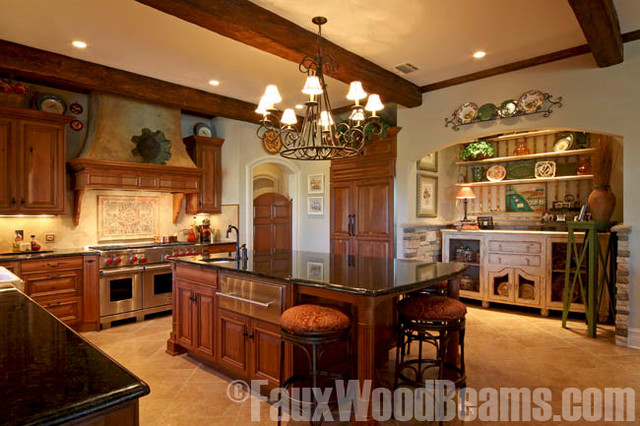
<point>272,222</point>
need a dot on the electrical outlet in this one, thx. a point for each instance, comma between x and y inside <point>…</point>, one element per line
<point>50,238</point>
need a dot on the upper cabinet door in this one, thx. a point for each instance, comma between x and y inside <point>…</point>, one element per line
<point>374,215</point>
<point>341,209</point>
<point>42,173</point>
<point>8,189</point>
<point>209,158</point>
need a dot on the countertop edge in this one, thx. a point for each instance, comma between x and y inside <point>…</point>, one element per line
<point>36,256</point>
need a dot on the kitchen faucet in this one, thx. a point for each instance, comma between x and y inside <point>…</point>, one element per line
<point>237,240</point>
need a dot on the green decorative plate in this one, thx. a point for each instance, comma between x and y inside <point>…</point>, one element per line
<point>487,112</point>
<point>521,169</point>
<point>508,108</point>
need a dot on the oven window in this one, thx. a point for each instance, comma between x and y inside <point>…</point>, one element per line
<point>162,283</point>
<point>121,289</point>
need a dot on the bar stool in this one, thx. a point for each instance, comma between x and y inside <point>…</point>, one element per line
<point>314,329</point>
<point>433,320</point>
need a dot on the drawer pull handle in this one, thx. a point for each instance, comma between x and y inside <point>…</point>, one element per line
<point>53,265</point>
<point>242,299</point>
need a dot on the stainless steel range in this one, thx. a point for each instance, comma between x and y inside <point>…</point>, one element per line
<point>136,280</point>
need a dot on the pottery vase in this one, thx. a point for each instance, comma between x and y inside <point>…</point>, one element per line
<point>521,149</point>
<point>601,203</point>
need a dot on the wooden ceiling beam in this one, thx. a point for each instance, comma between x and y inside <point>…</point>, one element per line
<point>45,67</point>
<point>599,22</point>
<point>255,26</point>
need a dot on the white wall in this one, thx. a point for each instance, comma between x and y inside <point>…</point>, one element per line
<point>595,99</point>
<point>241,148</point>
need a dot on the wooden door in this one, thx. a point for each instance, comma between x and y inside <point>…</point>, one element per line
<point>204,321</point>
<point>184,314</point>
<point>209,159</point>
<point>342,246</point>
<point>8,146</point>
<point>232,341</point>
<point>41,167</point>
<point>265,351</point>
<point>374,208</point>
<point>342,209</point>
<point>272,222</point>
<point>371,247</point>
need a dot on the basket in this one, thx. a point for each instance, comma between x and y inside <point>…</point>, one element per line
<point>12,99</point>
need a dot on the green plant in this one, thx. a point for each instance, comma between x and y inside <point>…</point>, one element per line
<point>477,150</point>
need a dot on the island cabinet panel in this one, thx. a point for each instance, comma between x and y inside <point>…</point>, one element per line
<point>184,313</point>
<point>195,318</point>
<point>233,330</point>
<point>265,351</point>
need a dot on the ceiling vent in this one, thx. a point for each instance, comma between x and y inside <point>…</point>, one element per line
<point>405,68</point>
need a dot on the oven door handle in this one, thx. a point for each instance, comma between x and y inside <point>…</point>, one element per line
<point>120,271</point>
<point>155,267</point>
<point>242,299</point>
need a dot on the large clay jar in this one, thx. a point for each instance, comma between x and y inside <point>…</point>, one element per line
<point>601,203</point>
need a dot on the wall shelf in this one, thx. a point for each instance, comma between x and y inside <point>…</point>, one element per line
<point>532,180</point>
<point>585,151</point>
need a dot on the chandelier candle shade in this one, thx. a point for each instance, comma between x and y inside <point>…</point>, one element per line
<point>319,137</point>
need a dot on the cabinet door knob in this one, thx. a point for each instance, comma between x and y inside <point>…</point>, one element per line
<point>22,200</point>
<point>13,201</point>
<point>245,334</point>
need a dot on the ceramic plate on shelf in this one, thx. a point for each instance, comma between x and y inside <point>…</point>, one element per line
<point>563,142</point>
<point>527,291</point>
<point>503,289</point>
<point>545,169</point>
<point>508,108</point>
<point>496,173</point>
<point>52,104</point>
<point>466,112</point>
<point>487,112</point>
<point>76,108</point>
<point>201,129</point>
<point>531,101</point>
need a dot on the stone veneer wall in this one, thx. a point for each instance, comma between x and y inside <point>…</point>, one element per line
<point>622,284</point>
<point>422,241</point>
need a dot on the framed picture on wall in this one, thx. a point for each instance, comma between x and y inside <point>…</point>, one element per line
<point>315,270</point>
<point>315,206</point>
<point>315,184</point>
<point>428,163</point>
<point>426,195</point>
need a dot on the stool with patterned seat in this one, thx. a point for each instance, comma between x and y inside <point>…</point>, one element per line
<point>313,328</point>
<point>433,320</point>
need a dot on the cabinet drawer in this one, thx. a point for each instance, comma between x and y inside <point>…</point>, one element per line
<point>533,247</point>
<point>67,310</point>
<point>207,277</point>
<point>514,259</point>
<point>255,299</point>
<point>53,284</point>
<point>50,265</point>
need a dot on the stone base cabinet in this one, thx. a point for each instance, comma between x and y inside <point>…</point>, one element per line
<point>524,268</point>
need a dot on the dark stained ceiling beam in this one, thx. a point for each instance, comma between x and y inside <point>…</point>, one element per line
<point>255,26</point>
<point>599,22</point>
<point>519,65</point>
<point>45,67</point>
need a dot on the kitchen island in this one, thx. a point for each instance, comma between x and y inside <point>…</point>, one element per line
<point>53,376</point>
<point>227,313</point>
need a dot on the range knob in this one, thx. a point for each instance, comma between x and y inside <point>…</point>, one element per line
<point>192,253</point>
<point>133,259</point>
<point>182,254</point>
<point>143,260</point>
<point>174,254</point>
<point>118,260</point>
<point>168,256</point>
<point>109,261</point>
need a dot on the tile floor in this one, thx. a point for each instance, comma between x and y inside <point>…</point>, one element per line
<point>503,349</point>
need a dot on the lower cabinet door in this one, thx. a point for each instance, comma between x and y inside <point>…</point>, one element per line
<point>67,310</point>
<point>501,285</point>
<point>374,248</point>
<point>265,352</point>
<point>184,314</point>
<point>204,323</point>
<point>528,286</point>
<point>233,331</point>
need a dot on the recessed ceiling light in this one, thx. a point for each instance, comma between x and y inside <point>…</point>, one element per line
<point>479,54</point>
<point>299,106</point>
<point>214,82</point>
<point>79,44</point>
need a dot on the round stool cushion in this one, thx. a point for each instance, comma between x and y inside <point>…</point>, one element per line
<point>313,319</point>
<point>431,308</point>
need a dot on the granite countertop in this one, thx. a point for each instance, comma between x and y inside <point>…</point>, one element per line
<point>8,256</point>
<point>352,274</point>
<point>51,375</point>
<point>507,231</point>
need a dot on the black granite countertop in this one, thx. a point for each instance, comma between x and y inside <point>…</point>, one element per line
<point>353,274</point>
<point>10,257</point>
<point>50,374</point>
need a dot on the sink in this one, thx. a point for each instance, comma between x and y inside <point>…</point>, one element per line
<point>218,259</point>
<point>19,253</point>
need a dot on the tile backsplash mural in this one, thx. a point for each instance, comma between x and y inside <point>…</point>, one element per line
<point>127,217</point>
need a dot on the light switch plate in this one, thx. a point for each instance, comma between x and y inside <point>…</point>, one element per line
<point>50,238</point>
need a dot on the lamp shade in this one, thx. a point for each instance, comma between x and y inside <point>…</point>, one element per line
<point>312,86</point>
<point>272,95</point>
<point>262,106</point>
<point>289,117</point>
<point>356,92</point>
<point>326,119</point>
<point>465,193</point>
<point>373,103</point>
<point>357,115</point>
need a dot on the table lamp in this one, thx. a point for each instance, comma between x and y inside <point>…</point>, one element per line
<point>466,194</point>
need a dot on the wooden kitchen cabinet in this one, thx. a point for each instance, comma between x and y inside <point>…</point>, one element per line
<point>195,324</point>
<point>206,153</point>
<point>265,351</point>
<point>32,172</point>
<point>13,267</point>
<point>233,331</point>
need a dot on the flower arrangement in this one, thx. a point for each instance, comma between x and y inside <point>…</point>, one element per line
<point>12,93</point>
<point>477,151</point>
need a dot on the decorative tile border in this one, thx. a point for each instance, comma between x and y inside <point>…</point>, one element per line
<point>622,284</point>
<point>123,217</point>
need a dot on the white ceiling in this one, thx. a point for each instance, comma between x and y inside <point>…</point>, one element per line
<point>437,36</point>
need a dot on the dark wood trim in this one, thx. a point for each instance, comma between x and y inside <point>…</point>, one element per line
<point>519,65</point>
<point>45,67</point>
<point>599,22</point>
<point>255,26</point>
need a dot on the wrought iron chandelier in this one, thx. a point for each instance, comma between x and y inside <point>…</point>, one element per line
<point>319,137</point>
